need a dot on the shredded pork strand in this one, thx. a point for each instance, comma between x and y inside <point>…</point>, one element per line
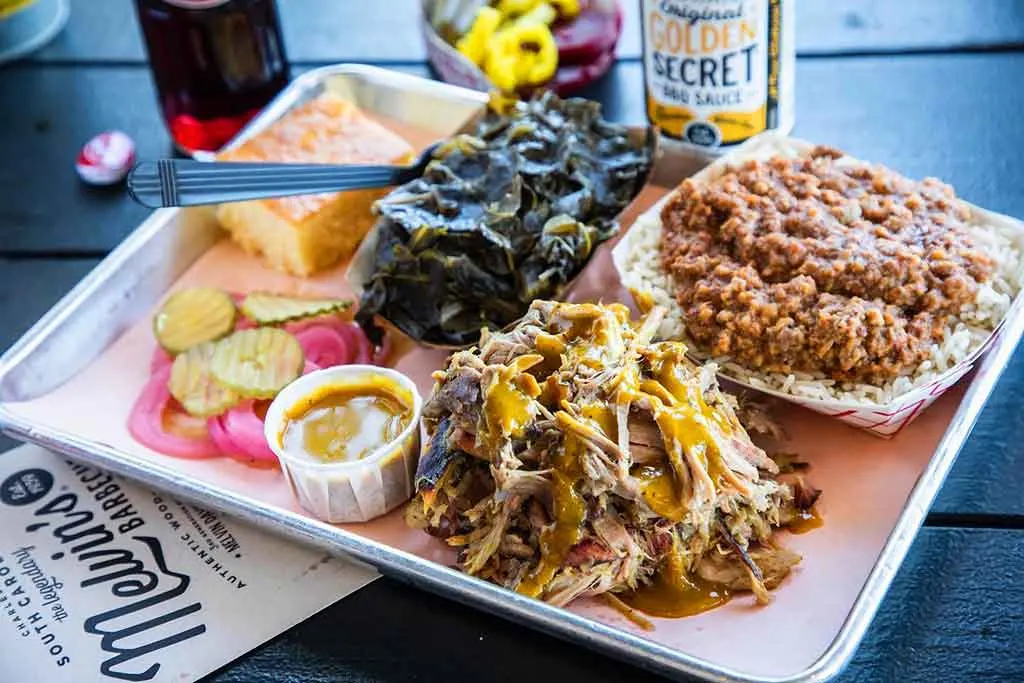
<point>597,458</point>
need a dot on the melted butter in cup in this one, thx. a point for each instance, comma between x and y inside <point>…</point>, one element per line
<point>347,439</point>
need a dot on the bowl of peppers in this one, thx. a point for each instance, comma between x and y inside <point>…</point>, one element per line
<point>519,46</point>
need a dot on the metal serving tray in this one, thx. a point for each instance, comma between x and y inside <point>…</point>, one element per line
<point>128,284</point>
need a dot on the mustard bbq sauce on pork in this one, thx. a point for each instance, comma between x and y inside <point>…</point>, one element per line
<point>819,265</point>
<point>571,456</point>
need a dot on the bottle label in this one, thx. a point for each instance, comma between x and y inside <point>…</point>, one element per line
<point>711,68</point>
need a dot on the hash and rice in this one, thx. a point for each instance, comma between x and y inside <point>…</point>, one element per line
<point>999,238</point>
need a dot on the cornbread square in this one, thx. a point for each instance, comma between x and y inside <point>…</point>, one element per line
<point>304,234</point>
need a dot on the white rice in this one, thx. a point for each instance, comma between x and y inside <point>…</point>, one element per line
<point>1002,239</point>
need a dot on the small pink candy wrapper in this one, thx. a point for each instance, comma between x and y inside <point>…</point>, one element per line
<point>106,158</point>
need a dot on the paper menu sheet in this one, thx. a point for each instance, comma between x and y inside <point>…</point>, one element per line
<point>103,580</point>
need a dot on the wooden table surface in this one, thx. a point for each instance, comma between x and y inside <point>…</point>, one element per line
<point>930,87</point>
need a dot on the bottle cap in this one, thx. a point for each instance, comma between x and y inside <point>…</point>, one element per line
<point>106,159</point>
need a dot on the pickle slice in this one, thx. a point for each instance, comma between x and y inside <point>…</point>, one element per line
<point>271,309</point>
<point>193,385</point>
<point>258,362</point>
<point>193,316</point>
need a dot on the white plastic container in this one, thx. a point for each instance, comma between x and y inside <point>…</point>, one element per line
<point>358,490</point>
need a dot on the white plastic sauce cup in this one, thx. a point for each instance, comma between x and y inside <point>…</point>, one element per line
<point>351,491</point>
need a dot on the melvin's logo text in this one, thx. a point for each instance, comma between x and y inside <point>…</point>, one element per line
<point>98,530</point>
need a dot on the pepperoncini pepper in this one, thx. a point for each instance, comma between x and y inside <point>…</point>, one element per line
<point>521,56</point>
<point>476,43</point>
<point>513,8</point>
<point>567,9</point>
<point>543,14</point>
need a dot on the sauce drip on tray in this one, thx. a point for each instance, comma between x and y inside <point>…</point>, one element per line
<point>666,598</point>
<point>807,520</point>
<point>675,593</point>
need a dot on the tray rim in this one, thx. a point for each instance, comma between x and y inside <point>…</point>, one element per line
<point>465,589</point>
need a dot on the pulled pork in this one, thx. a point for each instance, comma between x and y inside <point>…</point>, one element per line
<point>570,456</point>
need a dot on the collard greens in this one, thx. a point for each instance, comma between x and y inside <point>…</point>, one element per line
<point>501,217</point>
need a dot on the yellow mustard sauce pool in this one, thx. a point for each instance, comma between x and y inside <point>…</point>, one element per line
<point>674,593</point>
<point>347,422</point>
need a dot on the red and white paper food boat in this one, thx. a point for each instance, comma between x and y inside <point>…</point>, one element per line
<point>892,410</point>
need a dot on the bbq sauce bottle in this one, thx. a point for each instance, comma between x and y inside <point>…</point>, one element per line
<point>718,72</point>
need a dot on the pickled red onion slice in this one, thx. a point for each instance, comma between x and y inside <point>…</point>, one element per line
<point>245,429</point>
<point>324,346</point>
<point>360,346</point>
<point>360,349</point>
<point>251,451</point>
<point>146,422</point>
<point>219,435</point>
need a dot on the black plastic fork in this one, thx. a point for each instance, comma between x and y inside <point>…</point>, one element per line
<point>186,182</point>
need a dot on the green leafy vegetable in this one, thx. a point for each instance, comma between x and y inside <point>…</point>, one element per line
<point>501,217</point>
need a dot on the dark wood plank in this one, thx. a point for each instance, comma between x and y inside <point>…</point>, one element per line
<point>869,106</point>
<point>43,204</point>
<point>952,613</point>
<point>981,485</point>
<point>945,619</point>
<point>323,32</point>
<point>860,26</point>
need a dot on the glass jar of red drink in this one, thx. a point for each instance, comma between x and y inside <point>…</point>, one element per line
<point>216,64</point>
